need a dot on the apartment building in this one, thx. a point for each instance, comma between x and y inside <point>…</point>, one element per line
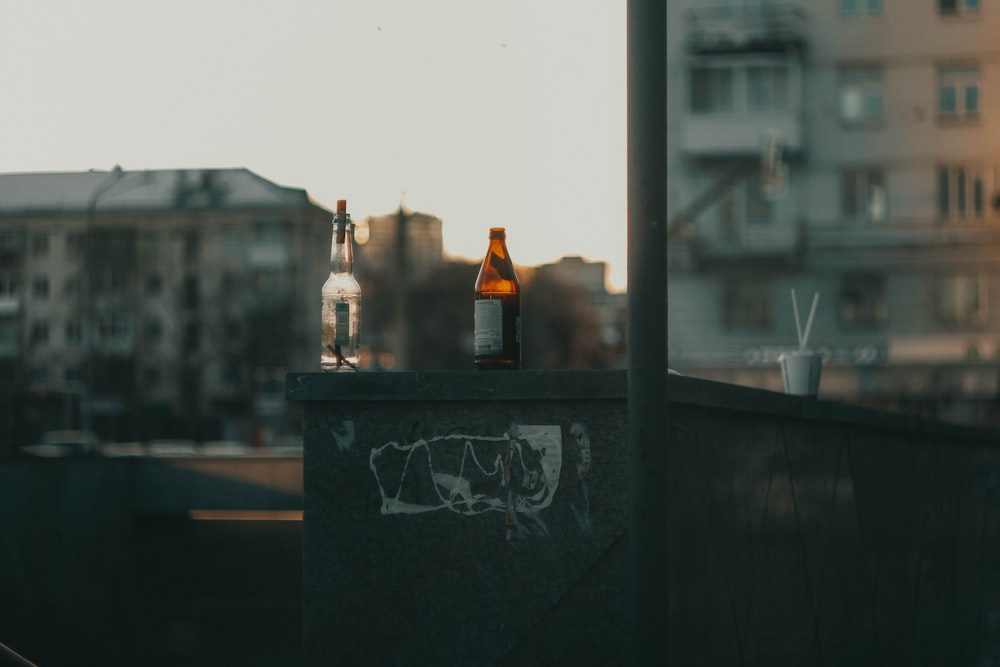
<point>887,116</point>
<point>610,308</point>
<point>132,301</point>
<point>384,241</point>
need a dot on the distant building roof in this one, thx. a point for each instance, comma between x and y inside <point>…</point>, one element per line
<point>145,190</point>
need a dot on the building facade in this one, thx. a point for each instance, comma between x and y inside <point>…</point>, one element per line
<point>887,202</point>
<point>137,303</point>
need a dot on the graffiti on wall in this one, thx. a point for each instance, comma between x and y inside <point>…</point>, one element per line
<point>516,473</point>
<point>581,509</point>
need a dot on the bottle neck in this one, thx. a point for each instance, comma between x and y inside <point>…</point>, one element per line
<point>342,248</point>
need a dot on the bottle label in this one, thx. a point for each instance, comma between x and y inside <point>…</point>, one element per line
<point>489,326</point>
<point>342,311</point>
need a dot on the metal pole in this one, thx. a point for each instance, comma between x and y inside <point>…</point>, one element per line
<point>647,331</point>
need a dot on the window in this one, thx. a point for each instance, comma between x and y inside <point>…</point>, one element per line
<point>711,89</point>
<point>110,281</point>
<point>154,284</point>
<point>74,244</point>
<point>115,329</point>
<point>862,301</point>
<point>961,192</point>
<point>40,287</point>
<point>961,299</point>
<point>231,374</point>
<point>269,282</point>
<point>153,332</point>
<point>40,244</point>
<point>40,332</point>
<point>758,206</point>
<point>8,335</point>
<point>958,93</point>
<point>861,7</point>
<point>744,205</point>
<point>233,329</point>
<point>8,286</point>
<point>958,7</point>
<point>152,377</point>
<point>191,245</point>
<point>733,86</point>
<point>191,292</point>
<point>71,287</point>
<point>73,333</point>
<point>192,338</point>
<point>863,194</point>
<point>748,305</point>
<point>232,239</point>
<point>861,94</point>
<point>767,87</point>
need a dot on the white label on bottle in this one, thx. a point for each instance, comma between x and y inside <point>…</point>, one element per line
<point>489,326</point>
<point>343,312</point>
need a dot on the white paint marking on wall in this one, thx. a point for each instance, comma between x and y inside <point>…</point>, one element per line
<point>521,473</point>
<point>582,514</point>
<point>344,435</point>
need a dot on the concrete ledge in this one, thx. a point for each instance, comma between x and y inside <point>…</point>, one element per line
<point>456,385</point>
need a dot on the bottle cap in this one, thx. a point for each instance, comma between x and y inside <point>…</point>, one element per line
<point>341,206</point>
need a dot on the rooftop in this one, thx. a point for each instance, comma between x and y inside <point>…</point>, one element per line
<point>142,190</point>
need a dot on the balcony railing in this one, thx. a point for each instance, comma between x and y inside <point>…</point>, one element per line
<point>761,28</point>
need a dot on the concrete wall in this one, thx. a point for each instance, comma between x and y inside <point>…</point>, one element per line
<point>463,518</point>
<point>799,531</point>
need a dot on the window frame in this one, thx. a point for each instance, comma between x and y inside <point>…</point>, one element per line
<point>957,195</point>
<point>40,244</point>
<point>857,201</point>
<point>874,307</point>
<point>39,334</point>
<point>963,78</point>
<point>958,280</point>
<point>738,71</point>
<point>868,81</point>
<point>711,106</point>
<point>73,334</point>
<point>40,288</point>
<point>963,9</point>
<point>741,297</point>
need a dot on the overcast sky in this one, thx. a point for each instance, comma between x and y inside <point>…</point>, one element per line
<point>484,113</point>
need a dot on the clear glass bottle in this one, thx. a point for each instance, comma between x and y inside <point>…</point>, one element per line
<point>498,308</point>
<point>341,300</point>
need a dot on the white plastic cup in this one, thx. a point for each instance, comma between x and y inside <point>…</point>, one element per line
<point>800,372</point>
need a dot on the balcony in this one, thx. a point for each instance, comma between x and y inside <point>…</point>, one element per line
<point>735,103</point>
<point>9,305</point>
<point>768,28</point>
<point>268,255</point>
<point>739,134</point>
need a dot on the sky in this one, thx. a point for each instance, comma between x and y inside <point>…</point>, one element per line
<point>483,113</point>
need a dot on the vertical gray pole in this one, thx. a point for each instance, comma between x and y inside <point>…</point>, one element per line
<point>647,331</point>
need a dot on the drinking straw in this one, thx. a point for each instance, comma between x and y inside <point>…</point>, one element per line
<point>798,327</point>
<point>809,322</point>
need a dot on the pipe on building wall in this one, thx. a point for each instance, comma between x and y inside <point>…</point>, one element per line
<point>647,330</point>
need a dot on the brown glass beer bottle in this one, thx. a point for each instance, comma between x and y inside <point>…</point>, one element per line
<point>498,309</point>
